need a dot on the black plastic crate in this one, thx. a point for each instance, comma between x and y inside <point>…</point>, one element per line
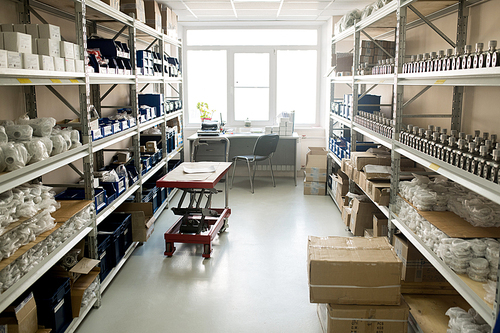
<point>100,199</point>
<point>127,234</point>
<point>114,225</point>
<point>53,303</point>
<point>111,193</point>
<point>103,243</point>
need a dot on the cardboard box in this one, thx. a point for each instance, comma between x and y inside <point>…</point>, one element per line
<point>360,159</point>
<point>79,287</point>
<point>76,51</point>
<point>69,65</point>
<point>362,216</point>
<point>172,24</point>
<point>9,27</point>
<point>415,267</point>
<point>20,28</point>
<point>316,159</point>
<point>151,150</point>
<point>123,156</point>
<point>14,59</point>
<point>342,61</point>
<point>379,192</point>
<point>135,7</point>
<point>34,45</point>
<point>346,215</point>
<point>151,144</point>
<point>314,188</point>
<point>115,4</point>
<point>153,14</point>
<point>4,63</point>
<point>17,42</point>
<point>20,318</point>
<point>377,171</point>
<point>31,61</point>
<point>339,197</point>
<point>363,319</point>
<point>67,50</point>
<point>341,179</point>
<point>32,29</point>
<point>49,31</point>
<point>380,225</point>
<point>59,64</point>
<point>142,149</point>
<point>353,270</point>
<point>165,17</point>
<point>79,66</point>
<point>50,47</point>
<point>362,180</point>
<point>143,221</point>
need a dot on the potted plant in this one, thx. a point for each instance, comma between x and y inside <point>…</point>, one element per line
<point>205,113</point>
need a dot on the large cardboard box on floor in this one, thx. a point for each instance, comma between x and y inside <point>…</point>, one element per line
<point>316,164</point>
<point>143,222</point>
<point>415,267</point>
<point>362,216</point>
<point>314,188</point>
<point>353,270</point>
<point>363,319</point>
<point>153,14</point>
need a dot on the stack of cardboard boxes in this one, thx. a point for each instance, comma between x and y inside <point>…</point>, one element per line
<point>157,16</point>
<point>371,54</point>
<point>357,283</point>
<point>315,180</point>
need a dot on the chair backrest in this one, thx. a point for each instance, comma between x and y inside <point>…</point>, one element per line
<point>266,145</point>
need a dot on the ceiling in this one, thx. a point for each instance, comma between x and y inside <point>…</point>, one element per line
<point>261,10</point>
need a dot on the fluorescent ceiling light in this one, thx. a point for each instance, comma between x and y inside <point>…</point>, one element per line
<point>257,0</point>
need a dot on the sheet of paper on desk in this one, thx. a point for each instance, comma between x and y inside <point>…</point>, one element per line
<point>199,168</point>
<point>196,176</point>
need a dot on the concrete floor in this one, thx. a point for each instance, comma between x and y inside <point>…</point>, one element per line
<point>256,280</point>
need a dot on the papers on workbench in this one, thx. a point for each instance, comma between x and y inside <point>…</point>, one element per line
<point>193,168</point>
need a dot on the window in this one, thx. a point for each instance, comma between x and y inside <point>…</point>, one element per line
<point>253,73</point>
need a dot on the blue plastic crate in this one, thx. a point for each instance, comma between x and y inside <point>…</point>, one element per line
<point>124,124</point>
<point>96,134</point>
<point>153,100</point>
<point>107,130</point>
<point>53,299</point>
<point>114,226</point>
<point>100,200</point>
<point>133,175</point>
<point>103,243</point>
<point>111,193</point>
<point>116,127</point>
<point>120,186</point>
<point>132,122</point>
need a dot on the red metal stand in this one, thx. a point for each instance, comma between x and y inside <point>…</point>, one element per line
<point>216,224</point>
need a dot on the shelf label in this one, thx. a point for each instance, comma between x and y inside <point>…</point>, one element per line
<point>24,81</point>
<point>440,82</point>
<point>74,81</point>
<point>55,81</point>
<point>434,167</point>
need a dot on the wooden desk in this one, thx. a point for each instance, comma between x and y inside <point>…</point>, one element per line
<point>243,144</point>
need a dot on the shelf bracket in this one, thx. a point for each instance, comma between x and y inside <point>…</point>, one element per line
<point>366,92</point>
<point>377,44</point>
<point>108,92</point>
<point>64,100</point>
<point>151,44</point>
<point>349,85</point>
<point>143,88</point>
<point>420,93</point>
<point>171,86</point>
<point>75,169</point>
<point>38,16</point>
<point>120,32</point>
<point>432,26</point>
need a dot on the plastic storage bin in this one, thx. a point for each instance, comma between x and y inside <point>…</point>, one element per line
<point>53,303</point>
<point>103,242</point>
<point>100,200</point>
<point>114,226</point>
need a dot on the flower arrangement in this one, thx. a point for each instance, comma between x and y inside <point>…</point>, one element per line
<point>205,113</point>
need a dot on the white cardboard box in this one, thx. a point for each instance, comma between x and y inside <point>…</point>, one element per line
<point>30,61</point>
<point>7,27</point>
<point>20,28</point>
<point>76,49</point>
<point>14,59</point>
<point>59,64</point>
<point>69,65</point>
<point>46,63</point>
<point>49,47</point>
<point>34,45</point>
<point>79,66</point>
<point>32,29</point>
<point>49,31</point>
<point>3,59</point>
<point>67,50</point>
<point>17,42</point>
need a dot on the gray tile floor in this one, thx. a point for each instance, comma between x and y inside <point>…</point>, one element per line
<point>256,280</point>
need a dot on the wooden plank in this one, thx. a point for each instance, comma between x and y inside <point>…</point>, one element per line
<point>69,208</point>
<point>476,287</point>
<point>455,226</point>
<point>429,310</point>
<point>427,288</point>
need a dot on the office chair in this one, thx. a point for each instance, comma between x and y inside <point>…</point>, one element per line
<point>264,149</point>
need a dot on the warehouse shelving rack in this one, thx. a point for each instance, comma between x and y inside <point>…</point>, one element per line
<point>393,20</point>
<point>101,16</point>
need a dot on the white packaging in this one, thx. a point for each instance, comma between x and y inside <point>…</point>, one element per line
<point>49,47</point>
<point>79,66</point>
<point>3,59</point>
<point>69,65</point>
<point>20,28</point>
<point>45,63</point>
<point>32,29</point>
<point>76,50</point>
<point>34,45</point>
<point>59,64</point>
<point>67,50</point>
<point>17,42</point>
<point>30,61</point>
<point>49,31</point>
<point>14,59</point>
<point>7,27</point>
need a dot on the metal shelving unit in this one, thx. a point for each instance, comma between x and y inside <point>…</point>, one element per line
<point>90,15</point>
<point>395,16</point>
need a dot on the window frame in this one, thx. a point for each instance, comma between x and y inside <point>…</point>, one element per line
<point>272,50</point>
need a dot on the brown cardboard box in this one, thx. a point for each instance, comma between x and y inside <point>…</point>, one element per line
<point>339,195</point>
<point>346,215</point>
<point>115,4</point>
<point>123,156</point>
<point>415,267</point>
<point>343,165</point>
<point>165,16</point>
<point>314,188</point>
<point>380,225</point>
<point>143,221</point>
<point>151,144</point>
<point>379,192</point>
<point>78,289</point>
<point>153,14</point>
<point>360,159</point>
<point>135,7</point>
<point>338,268</point>
<point>342,61</point>
<point>341,182</point>
<point>151,150</point>
<point>316,159</point>
<point>364,319</point>
<point>362,180</point>
<point>142,149</point>
<point>172,24</point>
<point>362,216</point>
<point>20,318</point>
<point>355,175</point>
